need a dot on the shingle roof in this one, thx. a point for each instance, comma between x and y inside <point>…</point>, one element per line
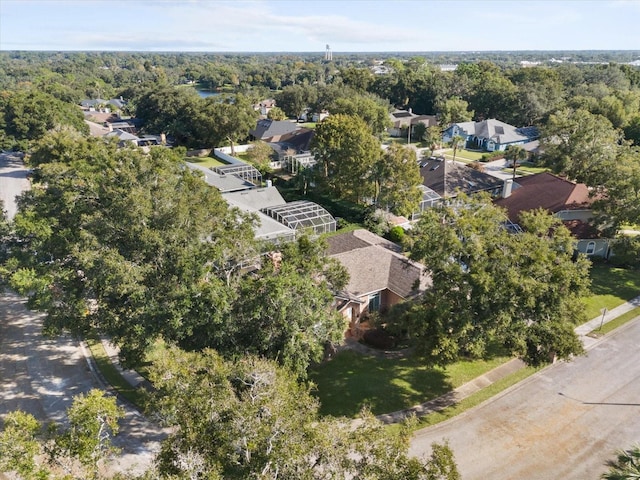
<point>299,140</point>
<point>122,135</point>
<point>547,191</point>
<point>375,264</point>
<point>459,178</point>
<point>266,128</point>
<point>493,129</point>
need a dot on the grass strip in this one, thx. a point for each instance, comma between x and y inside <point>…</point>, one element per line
<point>112,376</point>
<point>615,323</point>
<point>471,401</point>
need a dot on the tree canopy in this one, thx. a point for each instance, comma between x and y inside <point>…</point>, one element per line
<point>250,419</point>
<point>626,466</point>
<point>128,244</point>
<point>521,290</point>
<point>581,145</point>
<point>137,247</point>
<point>346,151</point>
<point>27,115</point>
<point>397,178</point>
<point>73,450</point>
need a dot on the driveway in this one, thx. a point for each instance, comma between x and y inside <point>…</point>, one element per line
<point>13,180</point>
<point>564,422</point>
<point>495,169</point>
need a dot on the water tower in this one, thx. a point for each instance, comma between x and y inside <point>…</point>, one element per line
<point>328,55</point>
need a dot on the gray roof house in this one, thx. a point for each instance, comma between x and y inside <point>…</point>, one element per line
<point>277,219</point>
<point>118,103</point>
<point>447,179</point>
<point>272,130</point>
<point>490,135</point>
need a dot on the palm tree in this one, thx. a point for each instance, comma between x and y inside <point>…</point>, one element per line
<point>626,466</point>
<point>516,154</point>
<point>456,142</point>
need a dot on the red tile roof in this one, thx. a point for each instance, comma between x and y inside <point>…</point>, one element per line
<point>546,191</point>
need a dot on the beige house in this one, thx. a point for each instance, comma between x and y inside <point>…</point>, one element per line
<point>379,276</point>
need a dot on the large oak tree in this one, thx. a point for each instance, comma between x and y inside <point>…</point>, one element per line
<point>346,151</point>
<point>250,419</point>
<point>522,290</point>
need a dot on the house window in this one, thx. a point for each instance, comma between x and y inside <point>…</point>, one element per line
<point>591,248</point>
<point>374,302</point>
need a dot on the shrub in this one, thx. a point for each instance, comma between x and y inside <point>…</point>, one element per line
<point>396,234</point>
<point>378,338</point>
<point>476,166</point>
<point>486,157</point>
<point>375,222</point>
<point>626,252</point>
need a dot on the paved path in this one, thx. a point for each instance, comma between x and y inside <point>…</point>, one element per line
<point>495,169</point>
<point>512,366</point>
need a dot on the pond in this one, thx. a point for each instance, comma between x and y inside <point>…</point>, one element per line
<point>207,93</point>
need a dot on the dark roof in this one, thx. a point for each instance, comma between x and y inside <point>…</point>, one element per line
<point>547,191</point>
<point>427,120</point>
<point>375,264</point>
<point>299,140</point>
<point>529,132</point>
<point>459,178</point>
<point>266,129</point>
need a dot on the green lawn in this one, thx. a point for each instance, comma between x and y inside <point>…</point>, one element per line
<point>531,170</point>
<point>523,170</point>
<point>204,161</point>
<point>611,287</point>
<point>351,381</point>
<point>111,374</point>
<point>463,155</point>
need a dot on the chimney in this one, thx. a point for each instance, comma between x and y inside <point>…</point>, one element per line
<point>410,110</point>
<point>269,184</point>
<point>163,139</point>
<point>506,188</point>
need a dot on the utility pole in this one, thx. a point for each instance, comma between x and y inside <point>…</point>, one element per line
<point>604,312</point>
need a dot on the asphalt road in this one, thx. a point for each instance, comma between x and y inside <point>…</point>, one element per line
<point>13,180</point>
<point>41,376</point>
<point>564,422</point>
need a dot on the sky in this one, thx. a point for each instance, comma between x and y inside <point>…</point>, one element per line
<point>308,26</point>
